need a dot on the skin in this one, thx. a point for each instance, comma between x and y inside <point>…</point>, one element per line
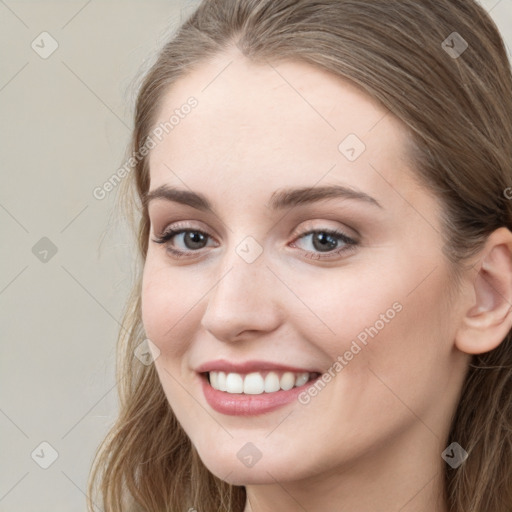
<point>372,438</point>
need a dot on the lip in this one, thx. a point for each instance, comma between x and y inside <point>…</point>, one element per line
<point>240,404</point>
<point>221,365</point>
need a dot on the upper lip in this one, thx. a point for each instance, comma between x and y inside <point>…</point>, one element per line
<point>221,365</point>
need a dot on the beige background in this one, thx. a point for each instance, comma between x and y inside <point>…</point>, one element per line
<point>64,127</point>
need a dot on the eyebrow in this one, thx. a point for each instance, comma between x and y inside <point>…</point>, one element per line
<point>280,199</point>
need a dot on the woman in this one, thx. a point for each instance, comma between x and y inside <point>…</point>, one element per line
<point>326,273</point>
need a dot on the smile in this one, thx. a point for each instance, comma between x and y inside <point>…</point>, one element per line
<point>253,393</point>
<point>257,383</point>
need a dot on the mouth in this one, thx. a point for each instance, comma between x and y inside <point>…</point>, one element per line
<point>254,393</point>
<point>257,383</point>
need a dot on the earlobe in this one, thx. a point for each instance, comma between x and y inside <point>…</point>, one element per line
<point>488,319</point>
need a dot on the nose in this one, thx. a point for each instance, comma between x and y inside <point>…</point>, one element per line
<point>244,302</point>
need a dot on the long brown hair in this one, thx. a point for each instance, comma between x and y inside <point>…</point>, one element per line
<point>457,103</point>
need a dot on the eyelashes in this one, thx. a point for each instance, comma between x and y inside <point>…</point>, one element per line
<point>169,234</point>
<point>321,238</point>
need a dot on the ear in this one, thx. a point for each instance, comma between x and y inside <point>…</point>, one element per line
<point>488,316</point>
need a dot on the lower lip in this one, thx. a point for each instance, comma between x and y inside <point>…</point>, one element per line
<point>237,404</point>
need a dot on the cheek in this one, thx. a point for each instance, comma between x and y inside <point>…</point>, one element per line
<point>383,321</point>
<point>334,307</point>
<point>390,356</point>
<point>405,357</point>
<point>169,307</point>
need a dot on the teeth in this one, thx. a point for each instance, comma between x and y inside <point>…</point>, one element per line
<point>218,380</point>
<point>287,381</point>
<point>302,379</point>
<point>272,382</point>
<point>214,379</point>
<point>255,383</point>
<point>234,383</point>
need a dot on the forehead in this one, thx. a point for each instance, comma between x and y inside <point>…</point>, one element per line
<point>262,124</point>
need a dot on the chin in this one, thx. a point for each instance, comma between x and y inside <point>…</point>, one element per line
<point>234,470</point>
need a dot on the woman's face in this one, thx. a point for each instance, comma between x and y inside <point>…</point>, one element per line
<point>286,281</point>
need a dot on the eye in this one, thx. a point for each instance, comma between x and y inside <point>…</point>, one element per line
<point>323,243</point>
<point>326,241</point>
<point>190,240</point>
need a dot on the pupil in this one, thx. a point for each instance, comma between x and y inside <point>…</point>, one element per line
<point>325,240</point>
<point>194,238</point>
